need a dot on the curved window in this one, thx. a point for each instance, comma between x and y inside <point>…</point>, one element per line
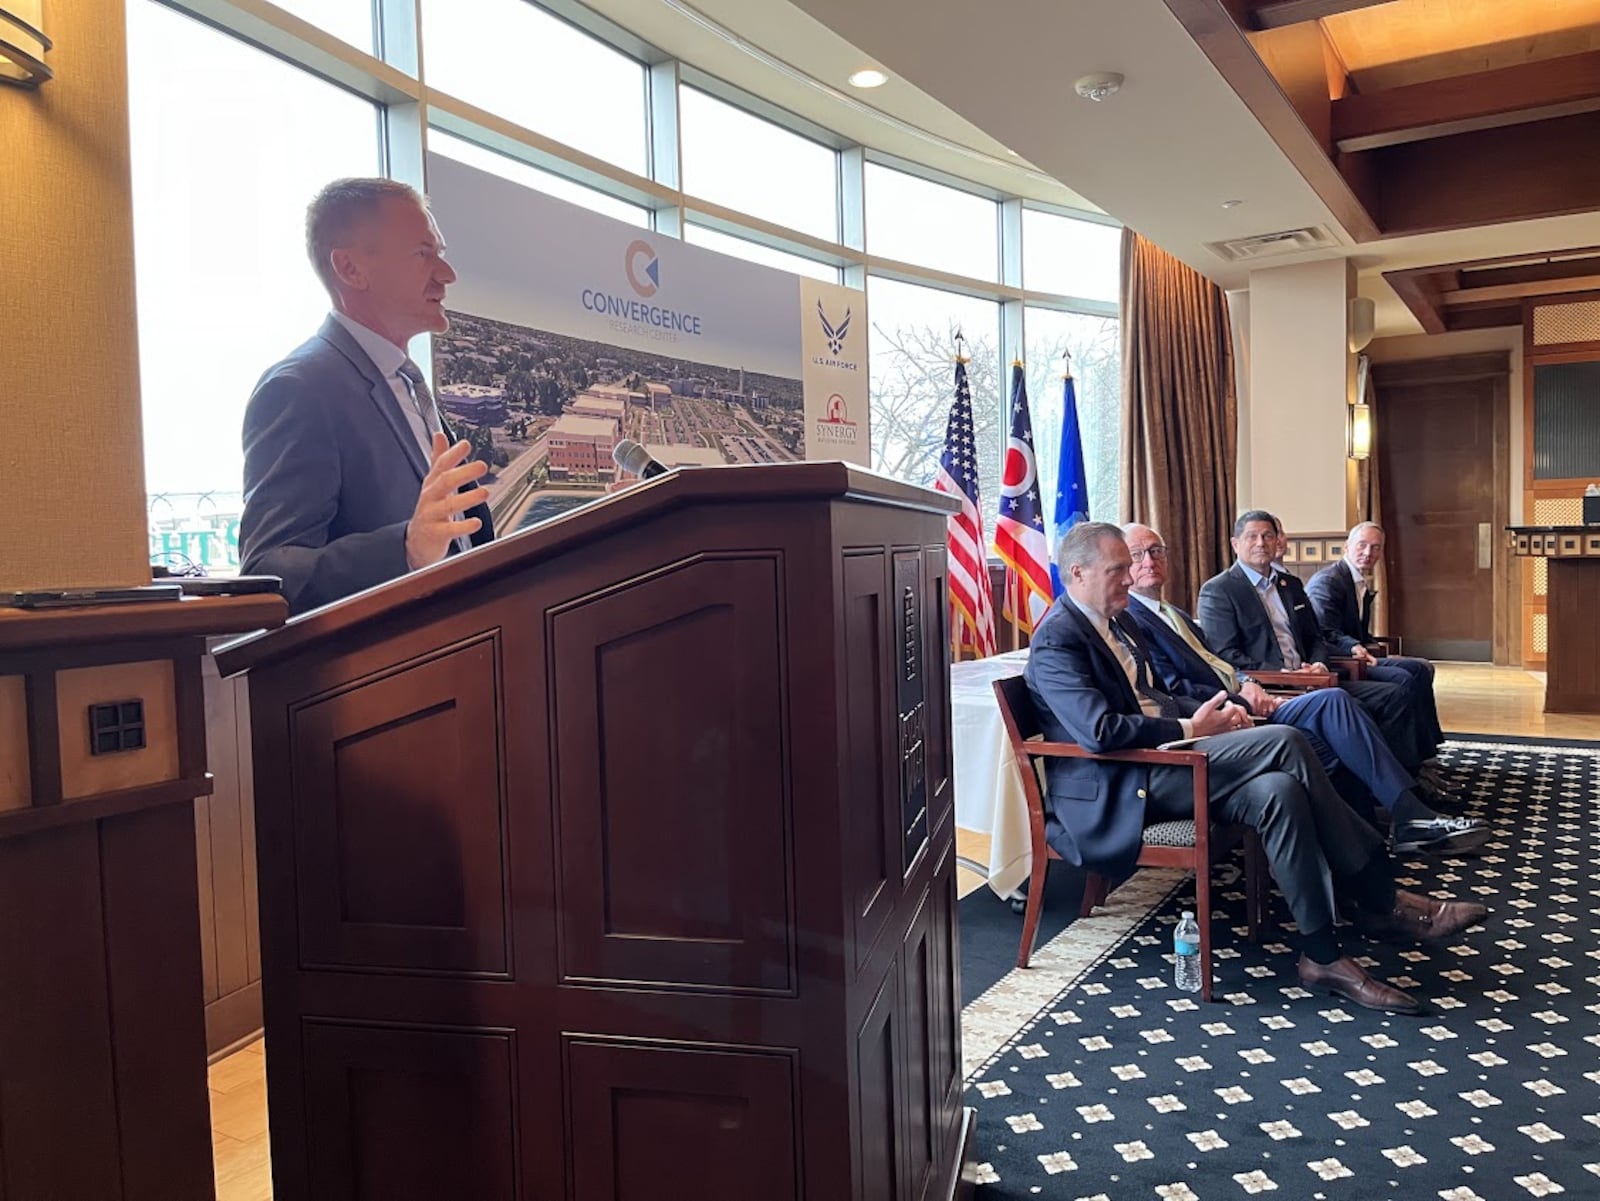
<point>912,364</point>
<point>533,177</point>
<point>756,252</point>
<point>348,20</point>
<point>917,221</point>
<point>521,63</point>
<point>1070,257</point>
<point>226,224</point>
<point>1095,346</point>
<point>734,158</point>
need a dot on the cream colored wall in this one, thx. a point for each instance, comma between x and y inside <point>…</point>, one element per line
<point>1476,341</point>
<point>72,455</point>
<point>1292,433</point>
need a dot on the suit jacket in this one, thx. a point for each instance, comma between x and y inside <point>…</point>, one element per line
<point>1082,695</point>
<point>1181,671</point>
<point>332,473</point>
<point>1333,597</point>
<point>1238,629</point>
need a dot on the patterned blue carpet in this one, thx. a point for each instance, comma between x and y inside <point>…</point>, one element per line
<point>1122,1087</point>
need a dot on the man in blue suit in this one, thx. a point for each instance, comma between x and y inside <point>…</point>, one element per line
<point>1342,596</point>
<point>1260,619</point>
<point>1090,679</point>
<point>1347,743</point>
<point>351,476</point>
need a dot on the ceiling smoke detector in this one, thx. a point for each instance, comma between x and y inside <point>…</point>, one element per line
<point>1098,87</point>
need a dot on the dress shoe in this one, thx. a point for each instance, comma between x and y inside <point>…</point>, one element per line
<point>1348,979</point>
<point>1436,796</point>
<point>1445,835</point>
<point>1417,918</point>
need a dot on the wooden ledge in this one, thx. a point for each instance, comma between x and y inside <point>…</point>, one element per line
<point>33,629</point>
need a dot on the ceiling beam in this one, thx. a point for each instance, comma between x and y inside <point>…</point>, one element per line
<point>1488,318</point>
<point>1574,263</point>
<point>1549,287</point>
<point>1277,13</point>
<point>1509,96</point>
<point>1418,289</point>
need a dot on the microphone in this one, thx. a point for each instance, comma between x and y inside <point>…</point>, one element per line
<point>630,456</point>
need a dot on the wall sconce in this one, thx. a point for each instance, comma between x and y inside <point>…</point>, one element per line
<point>23,44</point>
<point>1358,438</point>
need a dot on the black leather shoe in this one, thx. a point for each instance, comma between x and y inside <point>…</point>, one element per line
<point>1417,918</point>
<point>1445,835</point>
<point>1348,979</point>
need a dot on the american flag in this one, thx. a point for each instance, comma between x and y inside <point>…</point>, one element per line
<point>1019,537</point>
<point>971,609</point>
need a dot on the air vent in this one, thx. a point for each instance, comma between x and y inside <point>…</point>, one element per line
<point>1260,246</point>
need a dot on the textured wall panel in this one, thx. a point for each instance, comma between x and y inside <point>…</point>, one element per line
<point>1557,323</point>
<point>1566,421</point>
<point>72,463</point>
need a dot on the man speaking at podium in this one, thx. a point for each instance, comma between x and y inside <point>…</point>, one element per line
<point>351,476</point>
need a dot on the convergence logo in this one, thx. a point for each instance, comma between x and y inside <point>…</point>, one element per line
<point>642,269</point>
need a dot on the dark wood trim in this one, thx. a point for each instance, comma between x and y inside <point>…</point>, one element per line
<point>1573,262</point>
<point>189,700</point>
<point>1277,13</point>
<point>1560,352</point>
<point>1507,572</point>
<point>44,738</point>
<point>16,823</point>
<point>1516,95</point>
<point>1489,364</point>
<point>1209,23</point>
<point>21,629</point>
<point>1419,291</point>
<point>653,500</point>
<point>1490,317</point>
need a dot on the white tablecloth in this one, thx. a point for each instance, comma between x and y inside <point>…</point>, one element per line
<point>989,797</point>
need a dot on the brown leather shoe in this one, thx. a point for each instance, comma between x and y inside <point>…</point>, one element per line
<point>1416,918</point>
<point>1348,979</point>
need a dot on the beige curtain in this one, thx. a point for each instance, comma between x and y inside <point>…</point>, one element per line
<point>1371,494</point>
<point>1180,421</point>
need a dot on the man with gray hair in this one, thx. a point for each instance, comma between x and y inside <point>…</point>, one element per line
<point>1090,679</point>
<point>351,475</point>
<point>1342,595</point>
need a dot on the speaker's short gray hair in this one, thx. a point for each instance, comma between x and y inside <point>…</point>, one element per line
<point>1082,545</point>
<point>334,212</point>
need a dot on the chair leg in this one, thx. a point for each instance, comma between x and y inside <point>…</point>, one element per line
<point>1094,893</point>
<point>1202,914</point>
<point>1034,907</point>
<point>1255,886</point>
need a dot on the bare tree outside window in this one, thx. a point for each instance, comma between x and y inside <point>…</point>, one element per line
<point>1095,346</point>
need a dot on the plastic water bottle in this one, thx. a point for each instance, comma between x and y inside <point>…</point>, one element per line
<point>1186,946</point>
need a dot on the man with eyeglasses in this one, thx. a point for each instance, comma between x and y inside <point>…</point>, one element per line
<point>1348,744</point>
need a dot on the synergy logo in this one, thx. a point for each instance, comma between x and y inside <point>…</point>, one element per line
<point>836,427</point>
<point>640,252</point>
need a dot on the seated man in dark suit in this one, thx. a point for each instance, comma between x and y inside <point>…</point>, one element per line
<point>1341,596</point>
<point>1259,619</point>
<point>1347,743</point>
<point>351,476</point>
<point>1090,679</point>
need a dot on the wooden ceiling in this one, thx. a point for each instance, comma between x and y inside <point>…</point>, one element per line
<point>1491,292</point>
<point>1411,116</point>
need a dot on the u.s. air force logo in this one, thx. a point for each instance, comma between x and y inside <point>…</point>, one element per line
<point>835,335</point>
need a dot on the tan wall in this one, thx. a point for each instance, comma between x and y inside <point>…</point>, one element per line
<point>72,458</point>
<point>1476,341</point>
<point>1292,431</point>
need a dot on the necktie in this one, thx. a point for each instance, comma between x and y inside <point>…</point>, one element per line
<point>432,421</point>
<point>1181,627</point>
<point>1369,595</point>
<point>1143,677</point>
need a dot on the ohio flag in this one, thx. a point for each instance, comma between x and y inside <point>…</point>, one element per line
<point>1019,537</point>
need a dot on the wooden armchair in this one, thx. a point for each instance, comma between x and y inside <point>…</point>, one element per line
<point>1183,844</point>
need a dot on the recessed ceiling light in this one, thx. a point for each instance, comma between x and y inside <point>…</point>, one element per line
<point>1231,204</point>
<point>868,77</point>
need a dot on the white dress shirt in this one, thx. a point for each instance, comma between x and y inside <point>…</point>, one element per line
<point>1266,587</point>
<point>387,358</point>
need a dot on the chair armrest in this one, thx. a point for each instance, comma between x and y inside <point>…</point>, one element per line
<point>1071,750</point>
<point>1384,644</point>
<point>1299,681</point>
<point>1354,669</point>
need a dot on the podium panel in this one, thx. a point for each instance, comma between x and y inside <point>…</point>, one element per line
<point>615,859</point>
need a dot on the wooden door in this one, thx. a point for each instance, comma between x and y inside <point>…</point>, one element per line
<point>1442,427</point>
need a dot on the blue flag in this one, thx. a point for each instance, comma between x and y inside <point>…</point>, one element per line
<point>1072,486</point>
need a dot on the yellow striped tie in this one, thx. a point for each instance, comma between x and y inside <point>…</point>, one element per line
<point>1223,669</point>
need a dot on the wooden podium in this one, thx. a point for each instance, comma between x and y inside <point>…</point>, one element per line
<point>615,860</point>
<point>1572,666</point>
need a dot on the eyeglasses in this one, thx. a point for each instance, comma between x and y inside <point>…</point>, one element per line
<point>1154,552</point>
